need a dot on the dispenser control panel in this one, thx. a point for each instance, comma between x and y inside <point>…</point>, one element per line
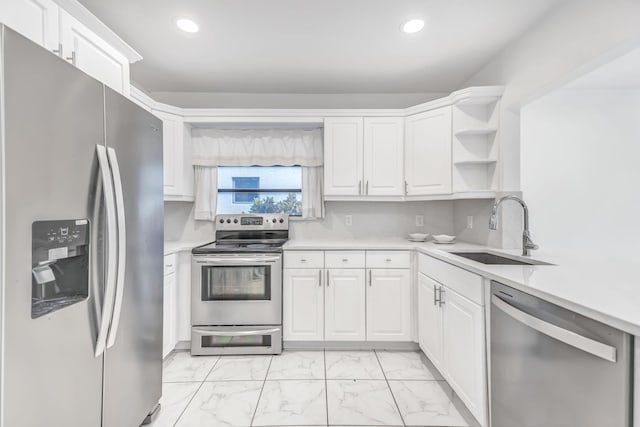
<point>62,233</point>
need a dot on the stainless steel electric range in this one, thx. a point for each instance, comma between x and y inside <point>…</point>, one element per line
<point>236,289</point>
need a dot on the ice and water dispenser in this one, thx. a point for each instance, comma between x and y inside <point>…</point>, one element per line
<point>60,264</point>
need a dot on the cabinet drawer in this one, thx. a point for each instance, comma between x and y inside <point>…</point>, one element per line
<point>388,259</point>
<point>344,259</point>
<point>465,283</point>
<point>304,259</point>
<point>170,264</point>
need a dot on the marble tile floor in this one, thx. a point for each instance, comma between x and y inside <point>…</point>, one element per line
<point>308,388</point>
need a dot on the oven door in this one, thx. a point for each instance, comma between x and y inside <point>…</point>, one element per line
<point>211,340</point>
<point>236,290</point>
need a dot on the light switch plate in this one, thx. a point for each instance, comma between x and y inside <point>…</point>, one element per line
<point>419,220</point>
<point>348,220</point>
<point>469,222</point>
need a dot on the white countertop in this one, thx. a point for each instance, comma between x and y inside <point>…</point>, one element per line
<point>172,247</point>
<point>602,287</point>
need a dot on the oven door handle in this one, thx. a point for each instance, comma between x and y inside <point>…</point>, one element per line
<point>236,333</point>
<point>234,261</point>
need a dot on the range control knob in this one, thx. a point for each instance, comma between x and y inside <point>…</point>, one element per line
<point>281,220</point>
<point>221,221</point>
<point>273,220</point>
<point>235,221</point>
<point>228,221</point>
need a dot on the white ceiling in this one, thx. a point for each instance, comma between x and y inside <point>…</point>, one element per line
<point>314,46</point>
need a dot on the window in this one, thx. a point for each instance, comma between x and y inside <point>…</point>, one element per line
<point>260,189</point>
<point>245,182</point>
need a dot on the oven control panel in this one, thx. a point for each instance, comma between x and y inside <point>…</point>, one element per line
<point>252,222</point>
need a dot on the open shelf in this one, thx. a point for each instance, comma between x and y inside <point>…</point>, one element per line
<point>478,131</point>
<point>476,162</point>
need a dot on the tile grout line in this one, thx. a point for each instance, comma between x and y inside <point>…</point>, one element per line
<point>389,386</point>
<point>326,385</point>
<point>196,392</point>
<point>266,375</point>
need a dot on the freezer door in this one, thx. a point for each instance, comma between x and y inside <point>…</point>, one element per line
<point>52,119</point>
<point>133,364</point>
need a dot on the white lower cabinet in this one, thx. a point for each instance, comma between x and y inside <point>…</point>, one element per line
<point>344,302</point>
<point>464,355</point>
<point>389,305</point>
<point>169,314</point>
<point>430,320</point>
<point>303,305</point>
<point>451,331</point>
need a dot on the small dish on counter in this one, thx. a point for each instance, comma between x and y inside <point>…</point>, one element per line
<point>444,239</point>
<point>418,237</point>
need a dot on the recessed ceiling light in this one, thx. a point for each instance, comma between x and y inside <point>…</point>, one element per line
<point>413,26</point>
<point>187,25</point>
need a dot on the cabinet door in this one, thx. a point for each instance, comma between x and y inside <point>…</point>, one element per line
<point>303,305</point>
<point>93,55</point>
<point>343,147</point>
<point>171,152</point>
<point>384,156</point>
<point>428,153</point>
<point>169,314</point>
<point>429,320</point>
<point>35,19</point>
<point>344,316</point>
<point>464,351</point>
<point>388,305</point>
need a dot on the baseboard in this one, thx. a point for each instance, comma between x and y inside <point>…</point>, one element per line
<point>349,345</point>
<point>183,345</point>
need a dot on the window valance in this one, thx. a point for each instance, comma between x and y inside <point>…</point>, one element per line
<point>257,147</point>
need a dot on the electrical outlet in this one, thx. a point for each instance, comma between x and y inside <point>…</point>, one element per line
<point>419,220</point>
<point>469,222</point>
<point>348,220</point>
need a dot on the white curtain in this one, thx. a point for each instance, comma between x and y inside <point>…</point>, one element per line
<point>312,191</point>
<point>206,193</point>
<point>257,147</point>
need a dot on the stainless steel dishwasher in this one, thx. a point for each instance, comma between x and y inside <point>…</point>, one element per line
<point>551,367</point>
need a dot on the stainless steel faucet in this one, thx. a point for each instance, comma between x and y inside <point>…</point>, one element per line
<point>527,243</point>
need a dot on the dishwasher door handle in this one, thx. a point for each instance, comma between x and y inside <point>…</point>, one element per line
<point>571,338</point>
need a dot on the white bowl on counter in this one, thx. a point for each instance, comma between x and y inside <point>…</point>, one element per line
<point>418,237</point>
<point>443,238</point>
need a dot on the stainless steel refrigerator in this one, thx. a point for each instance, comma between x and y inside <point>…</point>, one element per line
<point>81,226</point>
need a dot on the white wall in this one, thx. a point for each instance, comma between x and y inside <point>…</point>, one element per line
<point>294,100</point>
<point>179,224</point>
<point>580,170</point>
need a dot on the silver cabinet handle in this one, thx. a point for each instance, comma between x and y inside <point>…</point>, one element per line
<point>435,295</point>
<point>440,300</point>
<point>320,277</point>
<point>122,245</point>
<point>236,333</point>
<point>58,51</point>
<point>112,246</point>
<point>168,265</point>
<point>571,338</point>
<point>367,189</point>
<point>303,260</point>
<point>370,281</point>
<point>72,58</point>
<point>406,188</point>
<point>360,188</point>
<point>388,260</point>
<point>345,259</point>
<point>327,278</point>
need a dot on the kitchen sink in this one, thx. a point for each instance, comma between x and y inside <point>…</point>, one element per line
<point>490,258</point>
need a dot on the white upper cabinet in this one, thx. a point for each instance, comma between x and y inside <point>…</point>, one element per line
<point>389,305</point>
<point>34,19</point>
<point>343,156</point>
<point>93,55</point>
<point>428,153</point>
<point>303,304</point>
<point>176,152</point>
<point>383,156</point>
<point>345,305</point>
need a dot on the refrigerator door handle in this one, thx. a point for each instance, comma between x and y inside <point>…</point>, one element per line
<point>109,290</point>
<point>122,245</point>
